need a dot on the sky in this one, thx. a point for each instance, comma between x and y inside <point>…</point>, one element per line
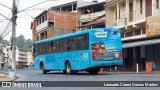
<point>26,17</point>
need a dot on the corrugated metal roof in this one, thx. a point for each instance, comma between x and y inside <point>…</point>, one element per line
<point>141,43</point>
<point>81,4</point>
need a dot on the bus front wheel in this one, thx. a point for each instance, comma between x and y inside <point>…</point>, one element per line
<point>42,68</point>
<point>68,70</point>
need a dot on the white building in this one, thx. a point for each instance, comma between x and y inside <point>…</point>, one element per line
<point>23,57</point>
<point>30,58</point>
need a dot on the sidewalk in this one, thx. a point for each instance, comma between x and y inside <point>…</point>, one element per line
<point>5,77</point>
<point>133,72</point>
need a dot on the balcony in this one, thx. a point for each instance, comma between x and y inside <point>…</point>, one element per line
<point>42,26</point>
<point>22,57</point>
<point>22,53</point>
<point>136,17</point>
<point>91,16</point>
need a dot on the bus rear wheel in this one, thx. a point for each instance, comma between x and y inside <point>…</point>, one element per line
<point>64,71</point>
<point>68,70</point>
<point>93,71</point>
<point>42,68</point>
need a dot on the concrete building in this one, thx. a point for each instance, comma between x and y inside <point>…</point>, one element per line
<point>138,21</point>
<point>30,58</point>
<point>90,15</point>
<point>67,7</point>
<point>21,58</point>
<point>56,21</point>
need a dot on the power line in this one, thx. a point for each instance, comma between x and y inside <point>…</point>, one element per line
<point>32,6</point>
<point>9,27</point>
<point>5,6</point>
<point>6,34</point>
<point>5,21</point>
<point>5,29</point>
<point>5,17</point>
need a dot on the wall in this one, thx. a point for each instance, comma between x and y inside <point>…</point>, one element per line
<point>122,7</point>
<point>64,23</point>
<point>156,11</point>
<point>61,23</point>
<point>137,14</point>
<point>110,17</point>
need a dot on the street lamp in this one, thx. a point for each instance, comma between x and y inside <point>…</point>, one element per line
<point>89,11</point>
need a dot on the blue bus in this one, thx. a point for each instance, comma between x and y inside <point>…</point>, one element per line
<point>87,50</point>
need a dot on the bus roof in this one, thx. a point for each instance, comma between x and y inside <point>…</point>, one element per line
<point>68,35</point>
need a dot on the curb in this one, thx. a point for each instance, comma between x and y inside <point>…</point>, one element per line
<point>154,73</point>
<point>9,78</point>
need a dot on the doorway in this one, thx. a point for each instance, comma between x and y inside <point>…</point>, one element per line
<point>148,8</point>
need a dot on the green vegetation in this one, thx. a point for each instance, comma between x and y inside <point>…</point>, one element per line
<point>21,42</point>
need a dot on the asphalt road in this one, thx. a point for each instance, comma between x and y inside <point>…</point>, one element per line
<point>36,75</point>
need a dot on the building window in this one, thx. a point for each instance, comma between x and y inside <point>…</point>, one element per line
<point>116,15</point>
<point>129,34</point>
<point>157,4</point>
<point>137,32</point>
<point>39,20</point>
<point>143,31</point>
<point>45,17</point>
<point>37,38</point>
<point>46,34</point>
<point>119,14</point>
<point>141,6</point>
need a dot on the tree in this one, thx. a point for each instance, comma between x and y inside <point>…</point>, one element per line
<point>29,44</point>
<point>4,42</point>
<point>20,41</point>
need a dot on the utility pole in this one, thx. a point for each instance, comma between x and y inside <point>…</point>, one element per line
<point>14,18</point>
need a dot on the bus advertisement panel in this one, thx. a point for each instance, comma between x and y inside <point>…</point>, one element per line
<point>106,45</point>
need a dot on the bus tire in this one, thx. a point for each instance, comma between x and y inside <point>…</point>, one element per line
<point>68,70</point>
<point>93,71</point>
<point>42,68</point>
<point>64,71</point>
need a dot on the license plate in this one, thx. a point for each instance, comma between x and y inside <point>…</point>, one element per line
<point>116,55</point>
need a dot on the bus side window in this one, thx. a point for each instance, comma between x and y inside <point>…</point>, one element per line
<point>74,43</point>
<point>51,47</point>
<point>79,43</point>
<point>86,41</point>
<point>57,46</point>
<point>69,43</point>
<point>35,51</point>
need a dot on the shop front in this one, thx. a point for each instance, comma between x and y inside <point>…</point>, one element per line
<point>138,52</point>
